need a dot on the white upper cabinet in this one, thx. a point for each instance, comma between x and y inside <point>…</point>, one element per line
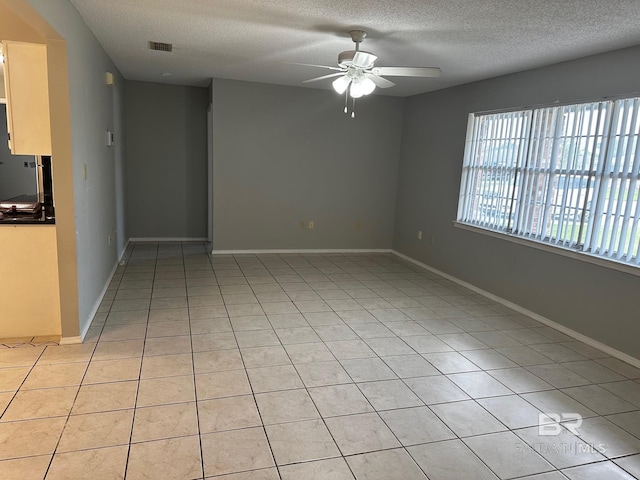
<point>26,86</point>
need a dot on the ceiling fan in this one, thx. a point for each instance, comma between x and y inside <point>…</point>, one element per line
<point>357,74</point>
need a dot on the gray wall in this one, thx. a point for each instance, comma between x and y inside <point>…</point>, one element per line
<point>15,179</point>
<point>596,301</point>
<point>283,155</point>
<point>166,168</point>
<point>95,108</point>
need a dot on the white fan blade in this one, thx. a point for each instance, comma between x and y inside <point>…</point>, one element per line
<point>323,77</point>
<point>407,71</point>
<point>379,81</point>
<point>363,59</point>
<point>317,66</point>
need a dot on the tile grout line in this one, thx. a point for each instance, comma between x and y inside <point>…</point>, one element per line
<point>144,343</point>
<point>193,368</point>
<point>253,393</point>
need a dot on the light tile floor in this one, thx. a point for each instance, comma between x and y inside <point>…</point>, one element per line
<point>296,367</point>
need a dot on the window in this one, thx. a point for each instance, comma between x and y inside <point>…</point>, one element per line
<point>567,176</point>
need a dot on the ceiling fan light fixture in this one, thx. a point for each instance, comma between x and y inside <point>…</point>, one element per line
<point>356,90</point>
<point>340,84</point>
<point>361,86</point>
<point>358,76</point>
<point>367,85</point>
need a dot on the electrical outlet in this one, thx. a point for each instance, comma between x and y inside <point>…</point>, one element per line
<point>357,225</point>
<point>302,225</point>
<point>419,234</point>
<point>84,171</point>
<point>311,224</point>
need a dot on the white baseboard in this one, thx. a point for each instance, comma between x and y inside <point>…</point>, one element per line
<point>71,340</point>
<point>96,306</point>
<point>124,250</point>
<point>550,323</point>
<point>301,251</point>
<point>168,239</point>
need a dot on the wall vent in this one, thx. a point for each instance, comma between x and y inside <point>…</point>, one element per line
<point>161,47</point>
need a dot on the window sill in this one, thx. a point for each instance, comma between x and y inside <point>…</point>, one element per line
<point>565,252</point>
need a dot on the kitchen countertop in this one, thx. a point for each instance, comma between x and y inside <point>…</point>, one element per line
<point>45,217</point>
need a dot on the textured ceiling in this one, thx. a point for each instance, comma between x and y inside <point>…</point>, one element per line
<point>256,40</point>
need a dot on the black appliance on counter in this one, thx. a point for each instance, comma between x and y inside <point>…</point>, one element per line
<point>32,206</point>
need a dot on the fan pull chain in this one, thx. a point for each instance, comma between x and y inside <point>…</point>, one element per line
<point>346,103</point>
<point>346,100</point>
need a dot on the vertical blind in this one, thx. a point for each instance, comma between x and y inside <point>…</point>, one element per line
<point>567,176</point>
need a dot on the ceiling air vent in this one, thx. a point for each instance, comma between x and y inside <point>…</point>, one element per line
<point>161,47</point>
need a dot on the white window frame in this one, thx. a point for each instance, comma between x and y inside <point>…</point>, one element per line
<point>558,178</point>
